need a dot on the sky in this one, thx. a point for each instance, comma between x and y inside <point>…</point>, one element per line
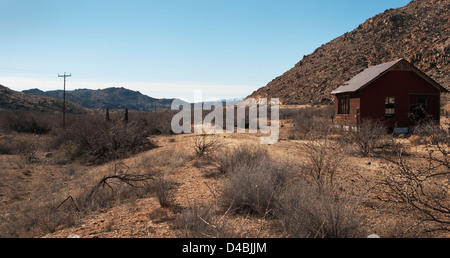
<point>168,48</point>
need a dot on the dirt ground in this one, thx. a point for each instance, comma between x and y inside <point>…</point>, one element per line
<point>23,184</point>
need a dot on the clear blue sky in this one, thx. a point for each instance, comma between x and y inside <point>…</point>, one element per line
<point>167,48</point>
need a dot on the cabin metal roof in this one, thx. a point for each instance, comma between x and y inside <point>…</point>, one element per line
<point>372,73</point>
<point>365,77</point>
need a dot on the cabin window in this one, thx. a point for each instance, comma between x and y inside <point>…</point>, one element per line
<point>422,104</point>
<point>344,105</point>
<point>390,108</point>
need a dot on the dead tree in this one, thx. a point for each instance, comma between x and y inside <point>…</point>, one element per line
<point>133,180</point>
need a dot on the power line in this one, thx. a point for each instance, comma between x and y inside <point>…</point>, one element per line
<point>64,103</point>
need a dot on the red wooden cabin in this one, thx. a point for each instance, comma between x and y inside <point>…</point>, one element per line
<point>396,92</point>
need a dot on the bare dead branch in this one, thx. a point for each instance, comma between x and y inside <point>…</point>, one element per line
<point>423,187</point>
<point>132,180</point>
<point>70,198</point>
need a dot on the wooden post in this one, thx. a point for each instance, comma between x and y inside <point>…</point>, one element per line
<point>126,116</point>
<point>107,115</point>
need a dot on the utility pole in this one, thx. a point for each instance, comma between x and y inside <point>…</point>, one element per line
<point>64,103</point>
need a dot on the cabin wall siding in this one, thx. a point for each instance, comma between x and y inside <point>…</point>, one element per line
<point>405,86</point>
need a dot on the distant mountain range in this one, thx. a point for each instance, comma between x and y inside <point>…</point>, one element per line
<point>15,100</point>
<point>110,98</point>
<point>418,32</point>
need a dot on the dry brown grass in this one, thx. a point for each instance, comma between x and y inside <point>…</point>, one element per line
<point>195,198</point>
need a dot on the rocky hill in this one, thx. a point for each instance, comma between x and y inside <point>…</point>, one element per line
<point>14,100</point>
<point>418,32</point>
<point>111,98</point>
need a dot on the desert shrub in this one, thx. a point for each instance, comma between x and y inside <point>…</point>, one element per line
<point>432,133</point>
<point>160,165</point>
<point>162,188</point>
<point>201,221</point>
<point>6,147</point>
<point>27,122</point>
<point>253,180</point>
<point>304,211</point>
<point>191,222</point>
<point>246,154</point>
<point>66,153</point>
<point>288,113</point>
<point>311,204</point>
<point>103,198</point>
<point>323,161</point>
<point>31,148</point>
<point>311,122</point>
<point>50,218</point>
<point>166,159</point>
<point>205,143</point>
<point>99,140</point>
<point>158,123</point>
<point>31,219</point>
<point>368,137</point>
<point>23,145</point>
